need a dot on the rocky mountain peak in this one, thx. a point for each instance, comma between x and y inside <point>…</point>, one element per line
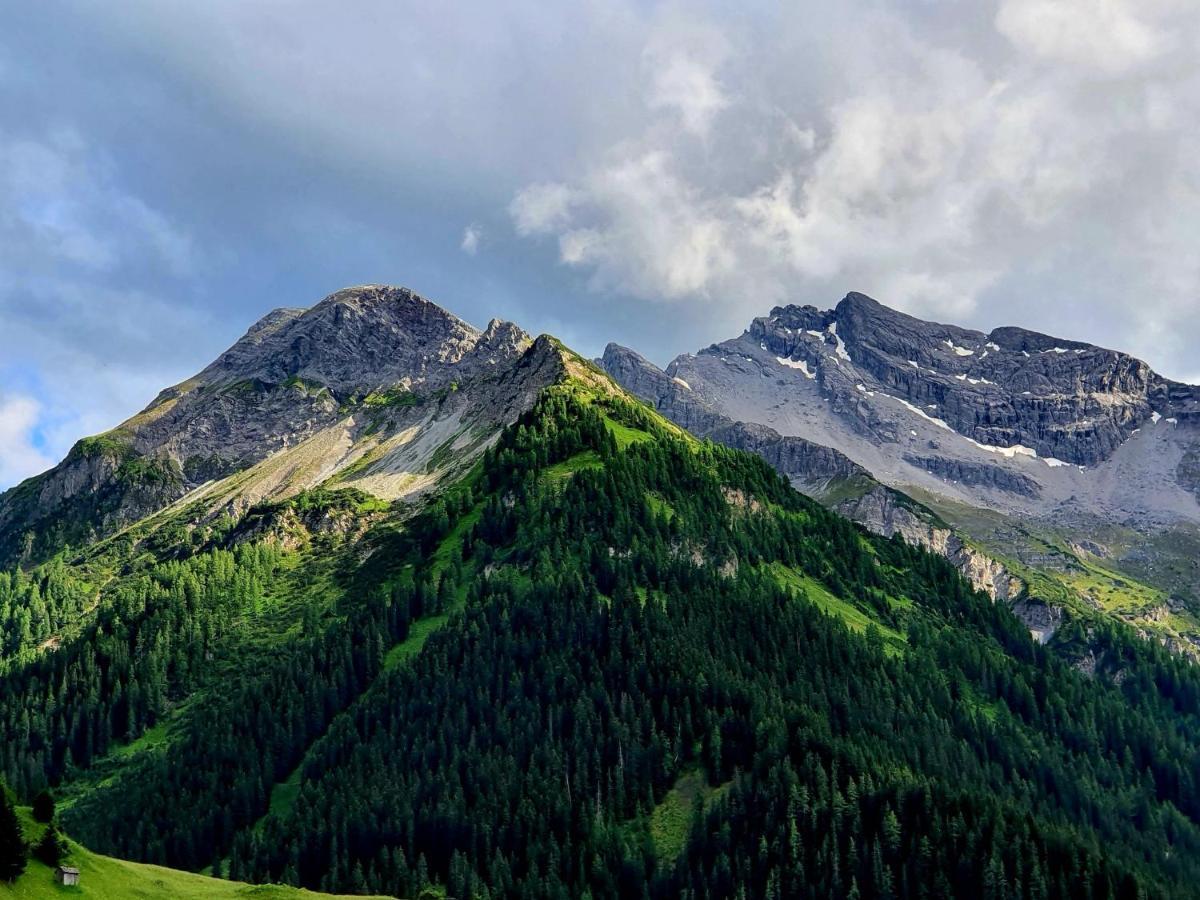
<point>502,340</point>
<point>1021,340</point>
<point>1063,399</point>
<point>272,321</point>
<point>369,359</point>
<point>355,339</point>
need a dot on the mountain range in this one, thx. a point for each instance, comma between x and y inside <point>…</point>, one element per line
<point>1056,474</point>
<point>852,604</point>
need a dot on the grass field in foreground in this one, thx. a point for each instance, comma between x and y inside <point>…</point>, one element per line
<point>105,878</point>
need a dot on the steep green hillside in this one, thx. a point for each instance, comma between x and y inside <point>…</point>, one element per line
<point>609,661</point>
<point>613,648</point>
<point>121,487</point>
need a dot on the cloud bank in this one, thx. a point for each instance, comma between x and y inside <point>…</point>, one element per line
<point>652,173</point>
<point>1032,165</point>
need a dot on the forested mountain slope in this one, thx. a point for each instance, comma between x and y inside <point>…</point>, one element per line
<point>597,658</point>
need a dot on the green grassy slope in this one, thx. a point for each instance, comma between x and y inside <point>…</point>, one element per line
<point>105,878</point>
<point>1095,571</point>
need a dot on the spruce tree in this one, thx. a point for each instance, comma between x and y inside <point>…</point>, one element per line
<point>14,853</point>
<point>43,806</point>
<point>51,848</point>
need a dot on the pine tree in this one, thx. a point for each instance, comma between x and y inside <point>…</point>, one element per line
<point>43,806</point>
<point>52,847</point>
<point>14,853</point>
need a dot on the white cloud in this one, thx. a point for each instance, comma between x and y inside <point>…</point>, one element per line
<point>541,208</point>
<point>19,457</point>
<point>681,65</point>
<point>966,177</point>
<point>653,230</point>
<point>472,235</point>
<point>1107,36</point>
<point>689,87</point>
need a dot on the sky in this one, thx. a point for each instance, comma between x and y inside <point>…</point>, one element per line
<point>652,174</point>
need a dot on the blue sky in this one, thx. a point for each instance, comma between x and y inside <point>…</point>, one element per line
<point>653,174</point>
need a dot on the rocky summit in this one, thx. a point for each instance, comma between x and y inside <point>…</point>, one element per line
<point>364,383</point>
<point>1040,453</point>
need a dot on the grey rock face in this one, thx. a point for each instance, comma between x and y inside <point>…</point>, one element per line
<point>975,474</point>
<point>1066,400</point>
<point>99,488</point>
<point>293,374</point>
<point>802,461</point>
<point>1188,470</point>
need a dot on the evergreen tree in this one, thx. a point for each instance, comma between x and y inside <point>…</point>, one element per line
<point>52,847</point>
<point>43,806</point>
<point>14,853</point>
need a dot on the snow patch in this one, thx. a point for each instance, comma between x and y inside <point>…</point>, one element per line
<point>920,412</point>
<point>1154,417</point>
<point>961,351</point>
<point>1054,463</point>
<point>800,364</point>
<point>1007,452</point>
<point>840,348</point>
<point>992,346</point>
<point>681,382</point>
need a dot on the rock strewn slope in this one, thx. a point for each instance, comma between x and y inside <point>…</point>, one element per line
<point>803,461</point>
